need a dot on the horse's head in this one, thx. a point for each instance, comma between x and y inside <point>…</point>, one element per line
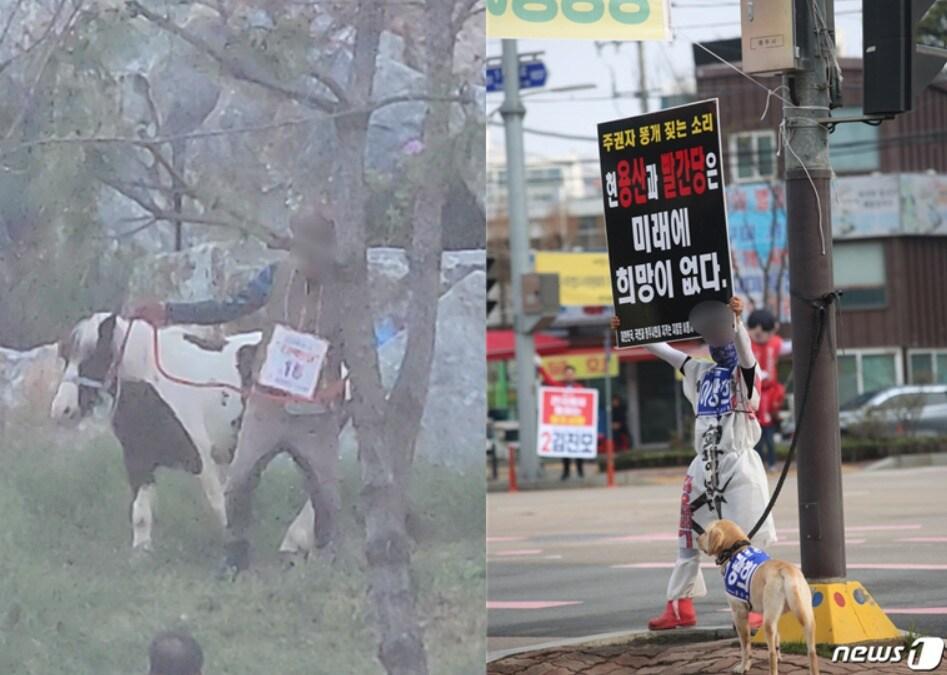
<point>88,352</point>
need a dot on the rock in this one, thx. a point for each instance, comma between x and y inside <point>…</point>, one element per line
<point>453,424</point>
<point>217,271</point>
<point>456,405</point>
<point>391,46</point>
<point>28,382</point>
<point>202,272</point>
<point>393,128</point>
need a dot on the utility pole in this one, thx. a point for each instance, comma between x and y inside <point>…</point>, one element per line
<point>513,112</point>
<point>642,78</point>
<point>609,432</point>
<point>808,205</point>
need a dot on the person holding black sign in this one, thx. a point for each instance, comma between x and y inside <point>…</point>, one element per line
<point>726,479</point>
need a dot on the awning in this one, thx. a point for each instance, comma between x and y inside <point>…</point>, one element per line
<point>501,344</point>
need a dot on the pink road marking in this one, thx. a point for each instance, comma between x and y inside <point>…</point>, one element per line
<point>916,610</point>
<point>852,566</point>
<point>654,536</point>
<point>529,604</point>
<point>925,540</point>
<point>881,528</point>
<point>491,540</point>
<point>654,566</point>
<point>519,551</point>
<point>888,610</point>
<point>896,566</point>
<point>795,542</point>
<point>860,528</point>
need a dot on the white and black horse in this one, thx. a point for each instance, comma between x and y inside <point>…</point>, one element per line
<point>159,421</point>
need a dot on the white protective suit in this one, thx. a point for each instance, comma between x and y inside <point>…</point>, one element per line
<point>725,407</point>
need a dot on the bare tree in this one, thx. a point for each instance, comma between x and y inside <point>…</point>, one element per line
<point>386,423</point>
<point>388,426</point>
<point>147,169</point>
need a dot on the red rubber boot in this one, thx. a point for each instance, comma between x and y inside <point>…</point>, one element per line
<point>682,615</point>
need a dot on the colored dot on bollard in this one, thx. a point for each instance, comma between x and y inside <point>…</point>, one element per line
<point>817,598</point>
<point>859,596</point>
<point>839,599</point>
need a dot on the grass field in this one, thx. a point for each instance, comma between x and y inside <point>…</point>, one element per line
<point>73,601</point>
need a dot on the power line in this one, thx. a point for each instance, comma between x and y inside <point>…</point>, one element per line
<point>847,149</point>
<point>732,24</point>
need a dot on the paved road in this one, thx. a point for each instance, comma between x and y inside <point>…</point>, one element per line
<point>572,563</point>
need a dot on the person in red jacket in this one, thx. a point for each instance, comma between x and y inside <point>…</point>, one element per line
<point>568,380</point>
<point>766,344</point>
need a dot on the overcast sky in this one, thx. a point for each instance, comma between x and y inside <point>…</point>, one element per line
<point>670,68</point>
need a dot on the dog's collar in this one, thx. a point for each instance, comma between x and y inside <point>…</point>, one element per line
<point>724,557</point>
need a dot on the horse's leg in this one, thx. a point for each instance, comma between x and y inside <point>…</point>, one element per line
<point>213,490</point>
<point>208,474</point>
<point>300,537</point>
<point>223,471</point>
<point>143,517</point>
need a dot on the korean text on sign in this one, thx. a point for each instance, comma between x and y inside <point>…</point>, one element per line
<point>568,422</point>
<point>665,219</point>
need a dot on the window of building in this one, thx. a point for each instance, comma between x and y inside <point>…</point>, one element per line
<point>854,147</point>
<point>927,367</point>
<point>656,415</point>
<point>590,233</point>
<point>859,268</point>
<point>753,155</point>
<point>867,370</point>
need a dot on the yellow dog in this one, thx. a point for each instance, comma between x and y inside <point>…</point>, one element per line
<point>754,581</point>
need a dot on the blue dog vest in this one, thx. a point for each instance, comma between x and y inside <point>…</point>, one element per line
<point>740,570</point>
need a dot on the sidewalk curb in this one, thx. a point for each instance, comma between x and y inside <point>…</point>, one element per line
<point>644,636</point>
<point>643,477</point>
<point>910,461</point>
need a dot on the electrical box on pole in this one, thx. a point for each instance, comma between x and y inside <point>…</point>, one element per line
<point>540,300</point>
<point>905,47</point>
<point>768,36</point>
<point>492,302</point>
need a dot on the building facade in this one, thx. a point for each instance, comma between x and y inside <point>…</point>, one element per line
<point>889,230</point>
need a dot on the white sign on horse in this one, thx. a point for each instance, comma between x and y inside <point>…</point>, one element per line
<point>293,362</point>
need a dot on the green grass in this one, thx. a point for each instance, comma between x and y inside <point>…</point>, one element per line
<point>74,601</point>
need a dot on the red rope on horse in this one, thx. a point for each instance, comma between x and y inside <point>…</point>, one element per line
<point>211,384</point>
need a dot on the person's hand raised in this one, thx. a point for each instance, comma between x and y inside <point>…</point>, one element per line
<point>155,313</point>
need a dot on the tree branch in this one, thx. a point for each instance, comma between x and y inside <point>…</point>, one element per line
<point>44,62</point>
<point>332,84</point>
<point>216,133</point>
<point>466,11</point>
<point>9,22</point>
<point>244,70</point>
<point>192,192</point>
<point>409,394</point>
<point>159,213</point>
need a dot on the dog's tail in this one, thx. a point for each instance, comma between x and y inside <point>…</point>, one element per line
<point>799,599</point>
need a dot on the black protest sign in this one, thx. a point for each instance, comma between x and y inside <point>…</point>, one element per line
<point>665,219</point>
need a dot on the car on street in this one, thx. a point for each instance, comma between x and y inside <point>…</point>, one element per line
<point>905,409</point>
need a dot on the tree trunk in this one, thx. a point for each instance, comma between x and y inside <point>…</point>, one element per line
<point>384,488</point>
<point>388,551</point>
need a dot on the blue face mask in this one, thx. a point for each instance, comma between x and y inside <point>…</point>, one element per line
<point>725,356</point>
